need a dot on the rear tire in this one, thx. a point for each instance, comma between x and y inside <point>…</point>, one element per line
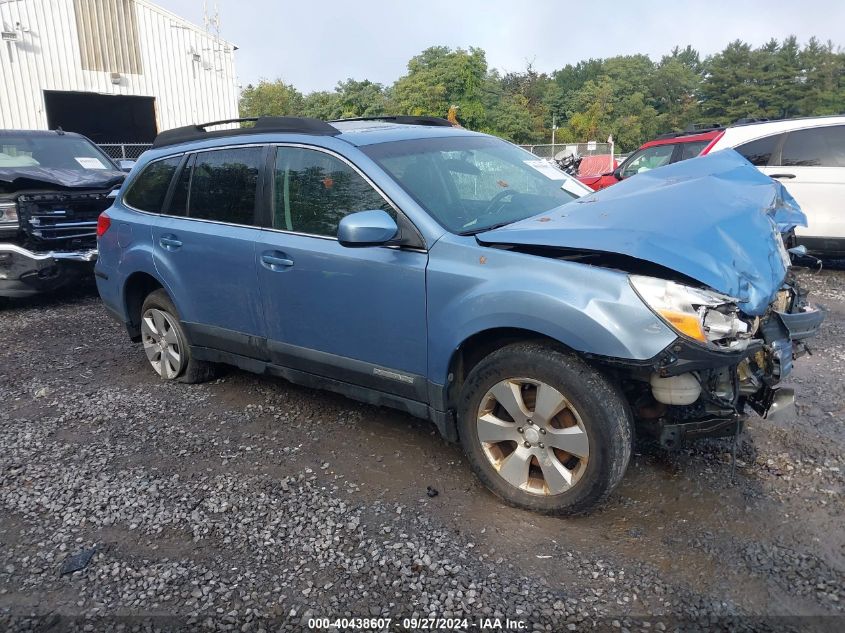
<point>166,344</point>
<point>543,430</point>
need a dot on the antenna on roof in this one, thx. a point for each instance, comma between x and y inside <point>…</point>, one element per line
<point>211,22</point>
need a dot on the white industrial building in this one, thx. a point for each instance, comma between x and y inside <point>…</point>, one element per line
<point>114,70</point>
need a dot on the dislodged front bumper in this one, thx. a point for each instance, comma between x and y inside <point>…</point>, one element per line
<point>698,391</point>
<point>24,272</point>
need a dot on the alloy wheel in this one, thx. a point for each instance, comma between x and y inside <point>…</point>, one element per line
<point>533,436</point>
<point>161,343</point>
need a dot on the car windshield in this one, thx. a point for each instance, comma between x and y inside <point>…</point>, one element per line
<point>473,183</point>
<point>54,151</point>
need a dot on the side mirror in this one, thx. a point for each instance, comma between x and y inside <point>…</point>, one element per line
<point>126,165</point>
<point>617,173</point>
<point>366,228</point>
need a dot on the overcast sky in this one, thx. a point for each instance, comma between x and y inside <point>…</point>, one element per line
<point>313,45</point>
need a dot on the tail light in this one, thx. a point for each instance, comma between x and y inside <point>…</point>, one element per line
<point>103,224</point>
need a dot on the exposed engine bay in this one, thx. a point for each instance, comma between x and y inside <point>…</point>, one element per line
<point>694,391</point>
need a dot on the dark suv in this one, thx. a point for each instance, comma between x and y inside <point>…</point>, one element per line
<point>53,186</point>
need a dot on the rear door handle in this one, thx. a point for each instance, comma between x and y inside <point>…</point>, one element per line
<point>783,175</point>
<point>169,242</point>
<point>276,261</point>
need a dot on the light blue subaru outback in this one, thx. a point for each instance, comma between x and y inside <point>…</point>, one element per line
<point>407,263</point>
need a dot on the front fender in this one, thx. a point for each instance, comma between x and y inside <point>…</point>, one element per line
<point>472,288</point>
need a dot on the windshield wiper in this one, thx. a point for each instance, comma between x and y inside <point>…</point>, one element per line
<point>498,225</point>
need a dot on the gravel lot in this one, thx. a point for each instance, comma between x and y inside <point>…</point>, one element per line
<point>250,504</point>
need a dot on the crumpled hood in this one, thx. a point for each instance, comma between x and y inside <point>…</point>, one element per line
<point>715,219</point>
<point>14,179</point>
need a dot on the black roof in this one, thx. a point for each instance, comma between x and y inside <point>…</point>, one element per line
<point>262,125</point>
<point>279,124</point>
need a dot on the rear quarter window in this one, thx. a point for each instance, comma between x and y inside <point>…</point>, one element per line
<point>148,191</point>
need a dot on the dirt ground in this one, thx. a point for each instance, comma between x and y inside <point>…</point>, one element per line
<point>252,504</point>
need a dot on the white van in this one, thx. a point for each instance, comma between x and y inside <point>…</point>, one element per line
<point>808,156</point>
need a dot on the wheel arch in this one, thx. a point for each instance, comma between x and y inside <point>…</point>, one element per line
<point>483,343</point>
<point>136,288</point>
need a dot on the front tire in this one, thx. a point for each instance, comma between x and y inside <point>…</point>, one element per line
<point>165,343</point>
<point>543,430</point>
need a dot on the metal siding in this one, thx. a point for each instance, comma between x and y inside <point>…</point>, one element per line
<point>49,57</point>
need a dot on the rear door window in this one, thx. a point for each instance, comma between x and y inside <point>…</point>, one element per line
<point>224,185</point>
<point>148,190</point>
<point>759,152</point>
<point>815,147</point>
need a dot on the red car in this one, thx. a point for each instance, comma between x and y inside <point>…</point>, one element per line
<point>664,150</point>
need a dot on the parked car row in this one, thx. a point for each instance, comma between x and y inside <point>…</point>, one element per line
<point>408,263</point>
<point>664,150</point>
<point>807,154</point>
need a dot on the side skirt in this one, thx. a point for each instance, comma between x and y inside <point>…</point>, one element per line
<point>443,420</point>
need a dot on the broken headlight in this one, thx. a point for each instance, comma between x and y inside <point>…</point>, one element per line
<point>702,315</point>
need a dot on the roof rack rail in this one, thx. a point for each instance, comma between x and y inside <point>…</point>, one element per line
<point>747,120</point>
<point>693,128</point>
<point>404,119</point>
<point>703,127</point>
<point>263,124</point>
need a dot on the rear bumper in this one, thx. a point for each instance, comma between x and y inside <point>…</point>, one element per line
<point>24,272</point>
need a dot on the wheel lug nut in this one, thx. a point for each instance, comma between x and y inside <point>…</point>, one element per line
<point>542,445</point>
<point>542,431</point>
<point>527,444</point>
<point>519,429</point>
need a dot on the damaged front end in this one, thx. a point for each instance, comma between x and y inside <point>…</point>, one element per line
<point>48,237</point>
<point>728,362</point>
<point>703,244</point>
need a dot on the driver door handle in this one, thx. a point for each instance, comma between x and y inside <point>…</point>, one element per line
<point>782,176</point>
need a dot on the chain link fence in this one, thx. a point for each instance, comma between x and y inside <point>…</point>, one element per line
<point>597,158</point>
<point>125,151</point>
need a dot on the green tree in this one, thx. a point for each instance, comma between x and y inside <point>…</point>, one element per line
<point>629,96</point>
<point>674,89</point>
<point>322,105</point>
<point>360,98</point>
<point>726,92</point>
<point>440,77</point>
<point>268,98</point>
<point>823,77</point>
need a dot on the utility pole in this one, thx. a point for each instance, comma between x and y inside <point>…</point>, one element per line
<point>554,129</point>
